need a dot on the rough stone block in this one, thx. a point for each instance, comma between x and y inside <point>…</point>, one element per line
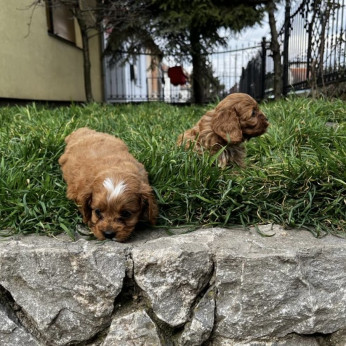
<point>12,334</point>
<point>172,272</point>
<point>136,328</point>
<point>65,290</point>
<point>213,286</point>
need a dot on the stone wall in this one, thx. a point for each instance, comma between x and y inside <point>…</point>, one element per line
<point>211,287</point>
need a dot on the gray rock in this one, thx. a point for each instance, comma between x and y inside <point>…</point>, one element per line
<point>66,290</point>
<point>338,338</point>
<point>290,283</point>
<point>11,334</point>
<point>267,290</point>
<point>136,328</point>
<point>172,272</point>
<point>199,329</point>
<point>290,340</point>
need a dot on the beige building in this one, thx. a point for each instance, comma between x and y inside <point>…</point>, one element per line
<point>41,56</point>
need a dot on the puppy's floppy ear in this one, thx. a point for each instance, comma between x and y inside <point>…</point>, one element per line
<point>84,206</point>
<point>149,206</point>
<point>225,123</point>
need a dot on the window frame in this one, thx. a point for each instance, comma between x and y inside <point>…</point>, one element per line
<point>69,23</point>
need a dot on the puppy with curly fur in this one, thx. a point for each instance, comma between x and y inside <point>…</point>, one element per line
<point>108,184</point>
<point>235,119</point>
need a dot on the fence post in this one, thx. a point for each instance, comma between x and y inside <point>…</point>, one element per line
<point>263,71</point>
<point>285,51</point>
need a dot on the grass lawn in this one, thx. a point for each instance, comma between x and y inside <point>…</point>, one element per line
<point>295,174</point>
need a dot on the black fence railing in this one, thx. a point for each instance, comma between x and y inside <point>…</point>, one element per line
<point>313,51</point>
<point>313,43</point>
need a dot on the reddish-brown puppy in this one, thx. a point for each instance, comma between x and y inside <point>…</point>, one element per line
<point>235,119</point>
<point>108,184</point>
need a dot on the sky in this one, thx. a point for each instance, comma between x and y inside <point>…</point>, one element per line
<point>254,35</point>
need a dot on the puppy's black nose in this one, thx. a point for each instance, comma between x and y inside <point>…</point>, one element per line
<point>109,234</point>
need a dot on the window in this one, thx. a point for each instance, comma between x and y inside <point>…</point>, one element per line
<point>60,21</point>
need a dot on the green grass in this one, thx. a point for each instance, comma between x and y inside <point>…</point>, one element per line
<point>295,174</point>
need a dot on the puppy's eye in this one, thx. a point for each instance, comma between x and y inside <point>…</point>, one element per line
<point>98,213</point>
<point>253,114</point>
<point>125,214</point>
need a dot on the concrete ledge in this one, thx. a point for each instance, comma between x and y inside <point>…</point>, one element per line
<point>211,287</point>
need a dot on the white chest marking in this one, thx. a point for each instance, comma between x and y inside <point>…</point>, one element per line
<point>113,190</point>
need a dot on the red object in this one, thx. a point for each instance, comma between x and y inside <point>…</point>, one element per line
<point>177,75</point>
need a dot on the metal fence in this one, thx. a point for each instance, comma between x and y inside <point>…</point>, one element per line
<point>240,69</point>
<point>313,49</point>
<point>317,44</point>
<point>313,42</point>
